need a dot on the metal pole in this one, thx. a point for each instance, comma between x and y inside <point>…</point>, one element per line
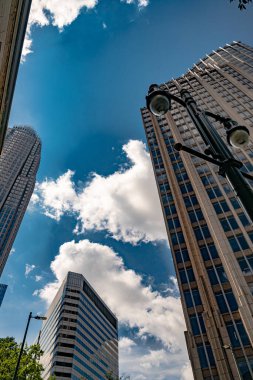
<point>219,149</point>
<point>22,348</point>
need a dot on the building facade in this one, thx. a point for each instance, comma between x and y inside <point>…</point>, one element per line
<point>19,163</point>
<point>13,21</point>
<point>210,234</point>
<point>80,335</point>
<point>3,288</point>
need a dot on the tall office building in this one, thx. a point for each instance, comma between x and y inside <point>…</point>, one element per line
<point>80,335</point>
<point>3,288</point>
<point>19,163</point>
<point>13,21</point>
<point>210,234</point>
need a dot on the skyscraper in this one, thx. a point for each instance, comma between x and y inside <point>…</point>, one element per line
<point>80,335</point>
<point>210,235</point>
<point>19,163</point>
<point>13,21</point>
<point>3,288</point>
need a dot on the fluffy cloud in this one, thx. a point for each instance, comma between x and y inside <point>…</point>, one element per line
<point>149,364</point>
<point>136,305</point>
<point>125,203</point>
<point>29,268</point>
<point>141,3</point>
<point>38,278</point>
<point>59,13</point>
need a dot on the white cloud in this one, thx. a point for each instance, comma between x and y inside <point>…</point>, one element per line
<point>59,13</point>
<point>149,364</point>
<point>187,372</point>
<point>141,3</point>
<point>125,203</point>
<point>135,304</point>
<point>126,344</point>
<point>38,278</point>
<point>29,268</point>
<point>12,251</point>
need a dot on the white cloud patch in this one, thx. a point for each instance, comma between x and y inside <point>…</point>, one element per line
<point>12,251</point>
<point>29,268</point>
<point>38,278</point>
<point>122,289</point>
<point>125,203</point>
<point>59,13</point>
<point>149,364</point>
<point>140,3</point>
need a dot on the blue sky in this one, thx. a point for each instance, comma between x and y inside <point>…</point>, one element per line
<point>81,89</point>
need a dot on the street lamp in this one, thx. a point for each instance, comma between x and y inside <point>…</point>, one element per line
<point>38,317</point>
<point>159,103</point>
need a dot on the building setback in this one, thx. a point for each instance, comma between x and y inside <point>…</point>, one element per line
<point>210,235</point>
<point>13,21</point>
<point>19,163</point>
<point>80,336</point>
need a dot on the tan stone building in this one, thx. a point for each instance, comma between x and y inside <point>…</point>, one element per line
<point>13,21</point>
<point>210,234</point>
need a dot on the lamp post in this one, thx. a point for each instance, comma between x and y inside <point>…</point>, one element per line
<point>159,103</point>
<point>23,343</point>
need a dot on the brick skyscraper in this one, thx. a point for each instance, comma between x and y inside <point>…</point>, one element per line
<point>19,163</point>
<point>210,235</point>
<point>80,336</point>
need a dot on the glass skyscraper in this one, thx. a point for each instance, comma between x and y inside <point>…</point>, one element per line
<point>19,163</point>
<point>80,336</point>
<point>13,21</point>
<point>210,234</point>
<point>3,288</point>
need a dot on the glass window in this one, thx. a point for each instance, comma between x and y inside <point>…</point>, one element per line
<point>184,274</point>
<point>233,334</point>
<point>197,324</point>
<point>212,276</point>
<point>177,238</point>
<point>214,192</point>
<point>209,251</point>
<point>196,215</point>
<point>234,244</point>
<point>242,241</point>
<point>229,223</point>
<point>203,354</point>
<point>219,273</point>
<point>243,367</point>
<point>230,298</point>
<point>221,207</point>
<point>173,223</point>
<point>235,203</point>
<point>251,235</point>
<point>186,188</point>
<point>182,256</point>
<point>201,232</point>
<point>190,200</point>
<point>244,219</point>
<point>192,297</point>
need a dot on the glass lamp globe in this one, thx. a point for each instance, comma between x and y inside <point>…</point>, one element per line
<point>238,137</point>
<point>159,104</point>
